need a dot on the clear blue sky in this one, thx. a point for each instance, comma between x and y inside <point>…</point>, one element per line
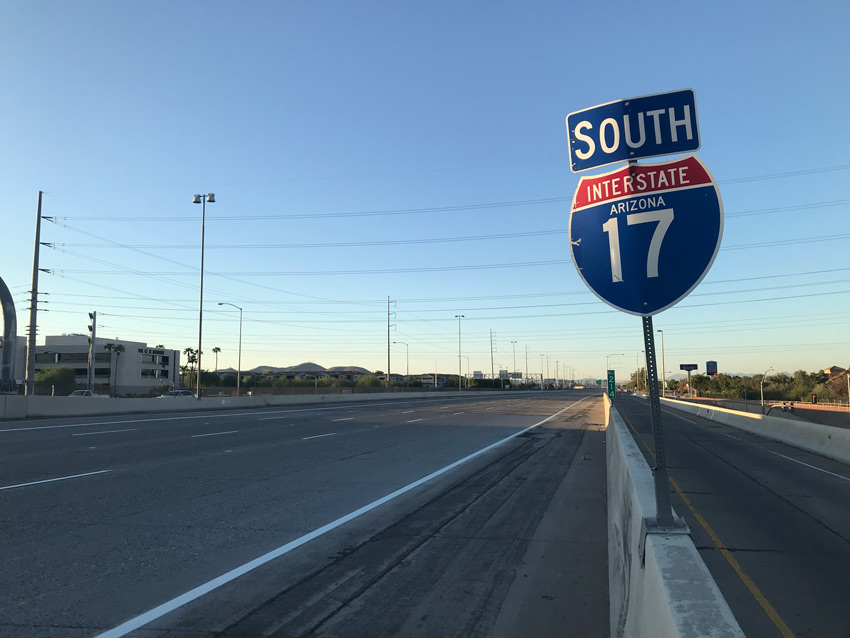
<point>450,118</point>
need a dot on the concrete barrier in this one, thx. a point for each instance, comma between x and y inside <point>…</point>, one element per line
<point>825,440</point>
<point>658,585</point>
<point>19,407</point>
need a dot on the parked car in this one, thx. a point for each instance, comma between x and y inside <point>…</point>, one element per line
<point>177,393</point>
<point>87,393</point>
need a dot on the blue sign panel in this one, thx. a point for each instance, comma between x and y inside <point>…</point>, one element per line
<point>640,127</point>
<point>643,236</point>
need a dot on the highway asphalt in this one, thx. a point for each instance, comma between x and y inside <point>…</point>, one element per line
<point>434,517</point>
<point>771,522</point>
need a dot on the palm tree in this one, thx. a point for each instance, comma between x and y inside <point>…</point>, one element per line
<point>216,350</point>
<point>117,348</point>
<point>191,359</point>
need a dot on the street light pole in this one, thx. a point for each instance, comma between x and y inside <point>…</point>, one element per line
<point>526,368</point>
<point>513,343</point>
<point>459,362</point>
<point>762,386</point>
<point>202,200</point>
<point>407,354</point>
<point>607,364</point>
<point>663,366</point>
<point>542,369</point>
<point>239,364</point>
<point>643,352</point>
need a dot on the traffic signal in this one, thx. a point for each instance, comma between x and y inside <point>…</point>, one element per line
<point>814,398</point>
<point>92,326</point>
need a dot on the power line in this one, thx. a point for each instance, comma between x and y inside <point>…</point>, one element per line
<point>346,244</point>
<point>428,210</point>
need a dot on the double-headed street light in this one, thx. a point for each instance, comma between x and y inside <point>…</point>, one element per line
<point>202,200</point>
<point>608,357</point>
<point>239,364</point>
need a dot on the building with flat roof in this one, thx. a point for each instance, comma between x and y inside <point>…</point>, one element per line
<point>135,371</point>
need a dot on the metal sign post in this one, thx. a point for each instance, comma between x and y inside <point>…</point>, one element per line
<point>689,367</point>
<point>663,508</point>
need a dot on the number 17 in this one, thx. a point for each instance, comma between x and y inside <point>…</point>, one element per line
<point>664,217</point>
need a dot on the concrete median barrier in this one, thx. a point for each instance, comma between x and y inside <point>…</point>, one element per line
<point>20,407</point>
<point>825,440</point>
<point>658,584</point>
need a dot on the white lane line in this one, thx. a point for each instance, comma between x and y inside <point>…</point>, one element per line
<point>731,437</point>
<point>409,412</point>
<point>456,413</point>
<point>415,420</point>
<point>215,583</point>
<point>61,478</point>
<point>811,466</point>
<point>348,418</point>
<point>104,432</point>
<point>318,436</point>
<point>677,414</point>
<point>200,416</point>
<point>271,418</point>
<point>198,436</point>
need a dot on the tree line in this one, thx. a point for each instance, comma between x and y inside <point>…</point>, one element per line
<point>780,386</point>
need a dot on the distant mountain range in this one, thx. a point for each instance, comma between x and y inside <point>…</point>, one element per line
<point>302,368</point>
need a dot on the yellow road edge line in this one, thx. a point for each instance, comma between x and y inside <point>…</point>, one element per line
<point>756,593</point>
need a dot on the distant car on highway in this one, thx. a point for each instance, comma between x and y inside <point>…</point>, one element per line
<point>177,393</point>
<point>87,393</point>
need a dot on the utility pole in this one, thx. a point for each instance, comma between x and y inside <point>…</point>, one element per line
<point>388,342</point>
<point>459,367</point>
<point>492,370</point>
<point>29,386</point>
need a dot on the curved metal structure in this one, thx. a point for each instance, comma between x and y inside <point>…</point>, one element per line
<point>10,341</point>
